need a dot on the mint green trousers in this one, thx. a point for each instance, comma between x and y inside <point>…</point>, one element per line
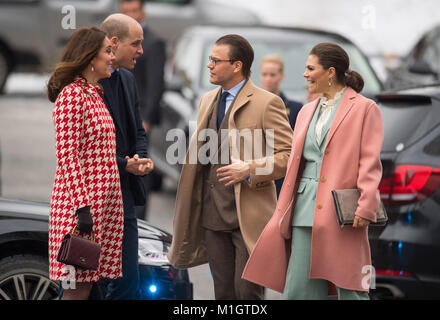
<point>298,284</point>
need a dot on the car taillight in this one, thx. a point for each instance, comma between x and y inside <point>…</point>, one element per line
<point>394,273</point>
<point>409,184</point>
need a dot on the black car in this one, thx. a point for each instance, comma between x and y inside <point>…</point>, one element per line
<point>421,66</point>
<point>406,252</point>
<point>24,264</point>
<point>188,78</point>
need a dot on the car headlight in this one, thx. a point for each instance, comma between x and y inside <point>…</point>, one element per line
<point>153,252</point>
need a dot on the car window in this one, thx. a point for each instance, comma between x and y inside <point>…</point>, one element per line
<point>433,148</point>
<point>405,122</point>
<point>188,54</point>
<point>294,55</point>
<point>430,55</point>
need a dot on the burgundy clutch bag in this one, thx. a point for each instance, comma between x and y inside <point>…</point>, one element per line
<point>79,252</point>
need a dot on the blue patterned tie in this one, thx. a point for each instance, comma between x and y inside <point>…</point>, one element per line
<point>221,109</point>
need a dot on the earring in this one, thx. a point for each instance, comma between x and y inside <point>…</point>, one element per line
<point>329,82</point>
<point>93,69</point>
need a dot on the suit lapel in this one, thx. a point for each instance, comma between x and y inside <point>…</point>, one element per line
<point>109,100</point>
<point>304,128</point>
<point>127,97</point>
<point>241,100</point>
<point>202,123</point>
<point>345,106</point>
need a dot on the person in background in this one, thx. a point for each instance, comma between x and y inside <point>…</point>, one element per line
<point>86,194</point>
<point>120,96</point>
<point>149,74</point>
<point>271,76</point>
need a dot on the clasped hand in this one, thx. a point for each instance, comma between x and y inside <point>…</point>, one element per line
<point>139,166</point>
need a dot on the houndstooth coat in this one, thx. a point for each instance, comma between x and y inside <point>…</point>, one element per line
<point>86,175</point>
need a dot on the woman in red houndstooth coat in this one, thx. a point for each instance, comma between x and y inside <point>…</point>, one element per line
<point>86,183</point>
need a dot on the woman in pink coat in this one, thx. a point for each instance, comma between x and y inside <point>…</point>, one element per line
<point>86,191</point>
<point>337,139</point>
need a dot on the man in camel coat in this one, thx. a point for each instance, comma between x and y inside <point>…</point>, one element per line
<point>226,193</point>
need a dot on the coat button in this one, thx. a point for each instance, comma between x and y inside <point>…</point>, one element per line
<point>319,206</point>
<point>323,179</point>
<point>327,151</point>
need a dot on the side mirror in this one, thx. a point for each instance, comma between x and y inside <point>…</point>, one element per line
<point>421,67</point>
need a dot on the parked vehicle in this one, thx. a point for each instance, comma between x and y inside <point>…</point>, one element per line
<point>421,66</point>
<point>24,264</point>
<point>33,33</point>
<point>168,18</point>
<point>188,77</point>
<point>406,252</point>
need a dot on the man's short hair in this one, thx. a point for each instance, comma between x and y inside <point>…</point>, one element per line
<point>240,50</point>
<point>115,28</point>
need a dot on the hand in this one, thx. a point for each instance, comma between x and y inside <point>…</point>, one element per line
<point>234,173</point>
<point>360,222</point>
<point>146,126</point>
<point>146,168</point>
<point>139,166</point>
<point>85,221</point>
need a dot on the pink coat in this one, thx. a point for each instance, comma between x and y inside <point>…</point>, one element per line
<point>351,160</point>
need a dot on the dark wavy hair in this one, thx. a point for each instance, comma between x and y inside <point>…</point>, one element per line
<point>331,55</point>
<point>80,50</point>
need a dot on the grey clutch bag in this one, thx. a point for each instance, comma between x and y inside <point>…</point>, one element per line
<point>346,202</point>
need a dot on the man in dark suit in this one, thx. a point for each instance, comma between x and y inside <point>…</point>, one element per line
<point>149,74</point>
<point>271,76</point>
<point>121,98</point>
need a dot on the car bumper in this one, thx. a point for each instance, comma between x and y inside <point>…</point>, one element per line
<point>164,283</point>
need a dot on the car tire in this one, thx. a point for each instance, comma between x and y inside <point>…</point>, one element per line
<point>26,277</point>
<point>5,68</point>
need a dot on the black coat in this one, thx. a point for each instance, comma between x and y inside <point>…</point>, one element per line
<point>149,74</point>
<point>132,132</point>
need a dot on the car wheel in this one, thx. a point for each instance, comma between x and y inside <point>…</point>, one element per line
<point>4,68</point>
<point>26,277</point>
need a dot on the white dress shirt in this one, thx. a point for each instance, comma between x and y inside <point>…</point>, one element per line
<point>327,107</point>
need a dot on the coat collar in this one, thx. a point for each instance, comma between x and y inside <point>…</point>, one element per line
<point>345,106</point>
<point>241,99</point>
<point>88,87</point>
<point>111,103</point>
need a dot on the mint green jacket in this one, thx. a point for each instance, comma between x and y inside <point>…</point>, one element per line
<point>312,154</point>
